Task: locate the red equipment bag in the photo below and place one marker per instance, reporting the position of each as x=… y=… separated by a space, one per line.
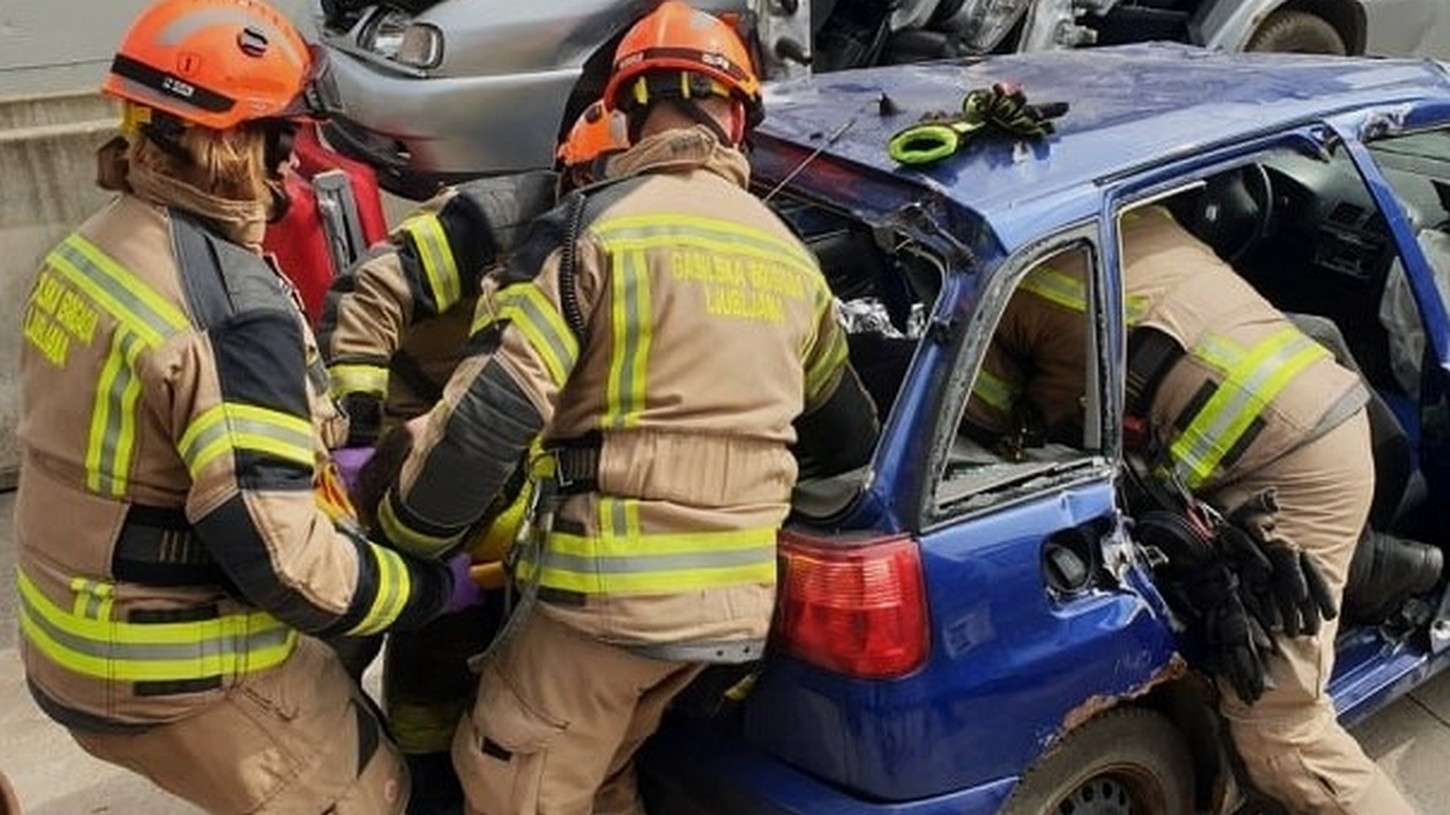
x=335 y=214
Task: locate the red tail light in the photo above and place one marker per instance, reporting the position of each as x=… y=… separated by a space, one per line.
x=855 y=608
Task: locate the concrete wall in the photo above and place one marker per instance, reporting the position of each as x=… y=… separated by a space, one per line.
x=53 y=54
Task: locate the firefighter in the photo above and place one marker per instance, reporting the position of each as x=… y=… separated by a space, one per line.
x=391 y=336
x=393 y=329
x=181 y=530
x=597 y=135
x=1241 y=401
x=616 y=331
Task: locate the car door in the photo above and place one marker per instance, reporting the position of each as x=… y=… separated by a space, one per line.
x=1404 y=156
x=1039 y=615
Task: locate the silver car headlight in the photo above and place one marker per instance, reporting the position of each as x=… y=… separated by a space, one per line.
x=395 y=36
x=983 y=23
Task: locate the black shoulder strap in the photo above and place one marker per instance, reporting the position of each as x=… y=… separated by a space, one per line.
x=577 y=212
x=1151 y=354
x=213 y=294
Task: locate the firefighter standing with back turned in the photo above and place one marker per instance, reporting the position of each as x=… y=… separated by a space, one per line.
x=1241 y=401
x=616 y=331
x=180 y=526
x=392 y=331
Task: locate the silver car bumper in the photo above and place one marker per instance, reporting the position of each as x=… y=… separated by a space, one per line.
x=452 y=126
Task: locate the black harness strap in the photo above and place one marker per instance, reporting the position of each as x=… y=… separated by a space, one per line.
x=1151 y=355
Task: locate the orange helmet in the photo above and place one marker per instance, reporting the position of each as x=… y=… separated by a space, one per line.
x=214 y=63
x=680 y=52
x=595 y=134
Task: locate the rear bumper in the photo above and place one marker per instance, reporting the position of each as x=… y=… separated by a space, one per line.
x=690 y=769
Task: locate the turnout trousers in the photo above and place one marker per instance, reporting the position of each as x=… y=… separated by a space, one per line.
x=300 y=740
x=558 y=719
x=1292 y=744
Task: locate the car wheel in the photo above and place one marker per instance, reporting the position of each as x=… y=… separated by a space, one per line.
x=1297 y=32
x=1128 y=761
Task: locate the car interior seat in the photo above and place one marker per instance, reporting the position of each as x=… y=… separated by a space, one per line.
x=1386 y=569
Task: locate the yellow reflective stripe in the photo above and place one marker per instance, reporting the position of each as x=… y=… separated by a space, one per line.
x=1056 y=287
x=632 y=334
x=232 y=426
x=436 y=257
x=145 y=319
x=94 y=598
x=1221 y=353
x=394 y=587
x=670 y=228
x=411 y=540
x=639 y=563
x=660 y=543
x=1248 y=387
x=827 y=365
x=112 y=432
x=350 y=378
x=619 y=517
x=1136 y=306
x=123 y=295
x=138 y=652
x=994 y=391
x=527 y=306
x=668 y=236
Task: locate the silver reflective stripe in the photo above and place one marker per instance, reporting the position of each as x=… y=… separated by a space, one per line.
x=132 y=306
x=214 y=648
x=546 y=327
x=239 y=425
x=630 y=324
x=116 y=410
x=1199 y=450
x=633 y=229
x=634 y=564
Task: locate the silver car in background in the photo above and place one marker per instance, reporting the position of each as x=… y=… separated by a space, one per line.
x=436 y=91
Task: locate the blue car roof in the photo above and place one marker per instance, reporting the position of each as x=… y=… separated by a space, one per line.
x=1130 y=106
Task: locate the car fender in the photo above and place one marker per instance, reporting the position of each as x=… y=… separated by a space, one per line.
x=1229 y=24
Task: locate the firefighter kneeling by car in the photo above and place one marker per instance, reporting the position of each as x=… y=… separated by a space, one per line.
x=1237 y=410
x=392 y=331
x=663 y=480
x=180 y=525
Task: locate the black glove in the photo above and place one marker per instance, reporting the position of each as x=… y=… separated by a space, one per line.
x=1238 y=647
x=1290 y=592
x=484 y=220
x=364 y=418
x=1202 y=588
x=1004 y=105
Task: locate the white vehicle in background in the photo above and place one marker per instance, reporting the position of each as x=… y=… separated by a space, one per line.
x=436 y=91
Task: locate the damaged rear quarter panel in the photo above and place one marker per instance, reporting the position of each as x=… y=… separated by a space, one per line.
x=1010 y=668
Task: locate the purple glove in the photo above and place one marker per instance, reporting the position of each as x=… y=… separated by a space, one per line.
x=349 y=461
x=465 y=593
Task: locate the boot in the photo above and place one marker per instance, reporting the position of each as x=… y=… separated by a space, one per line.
x=1386 y=571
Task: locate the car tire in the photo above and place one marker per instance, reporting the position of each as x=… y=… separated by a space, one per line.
x=1298 y=32
x=1129 y=760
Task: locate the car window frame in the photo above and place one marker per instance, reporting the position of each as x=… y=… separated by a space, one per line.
x=966 y=355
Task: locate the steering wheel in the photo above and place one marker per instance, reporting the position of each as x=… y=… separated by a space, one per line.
x=1233 y=212
x=1261 y=189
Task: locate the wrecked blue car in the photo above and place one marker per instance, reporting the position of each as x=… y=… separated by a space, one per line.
x=960 y=632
